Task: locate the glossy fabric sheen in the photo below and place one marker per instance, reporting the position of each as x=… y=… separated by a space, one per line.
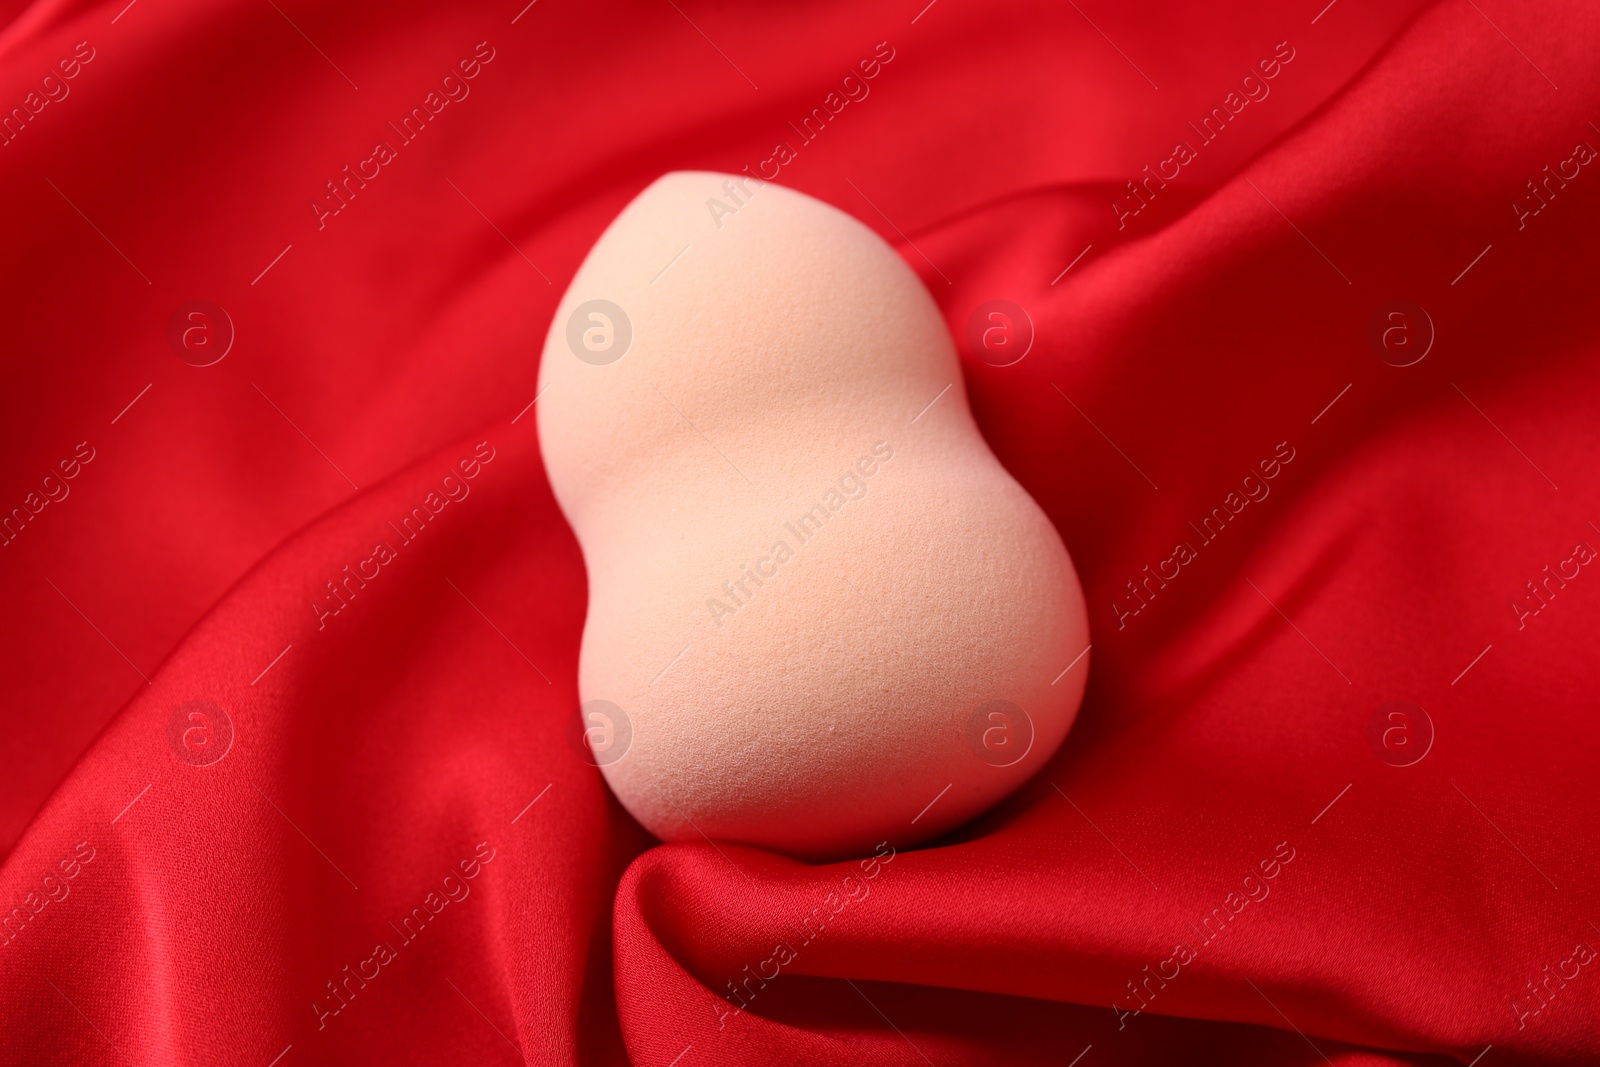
x=400 y=857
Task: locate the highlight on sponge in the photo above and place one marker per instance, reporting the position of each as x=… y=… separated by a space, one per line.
x=821 y=614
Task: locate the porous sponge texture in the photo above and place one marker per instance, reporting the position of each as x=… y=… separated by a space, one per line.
x=810 y=581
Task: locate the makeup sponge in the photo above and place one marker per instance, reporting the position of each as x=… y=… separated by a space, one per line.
x=821 y=614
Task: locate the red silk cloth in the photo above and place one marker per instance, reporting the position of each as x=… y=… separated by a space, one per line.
x=1226 y=226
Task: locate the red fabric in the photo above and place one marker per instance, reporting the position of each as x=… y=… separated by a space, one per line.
x=160 y=909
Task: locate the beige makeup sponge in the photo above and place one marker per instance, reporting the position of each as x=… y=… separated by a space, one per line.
x=821 y=614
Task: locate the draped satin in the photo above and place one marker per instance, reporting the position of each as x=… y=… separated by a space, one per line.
x=289 y=692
